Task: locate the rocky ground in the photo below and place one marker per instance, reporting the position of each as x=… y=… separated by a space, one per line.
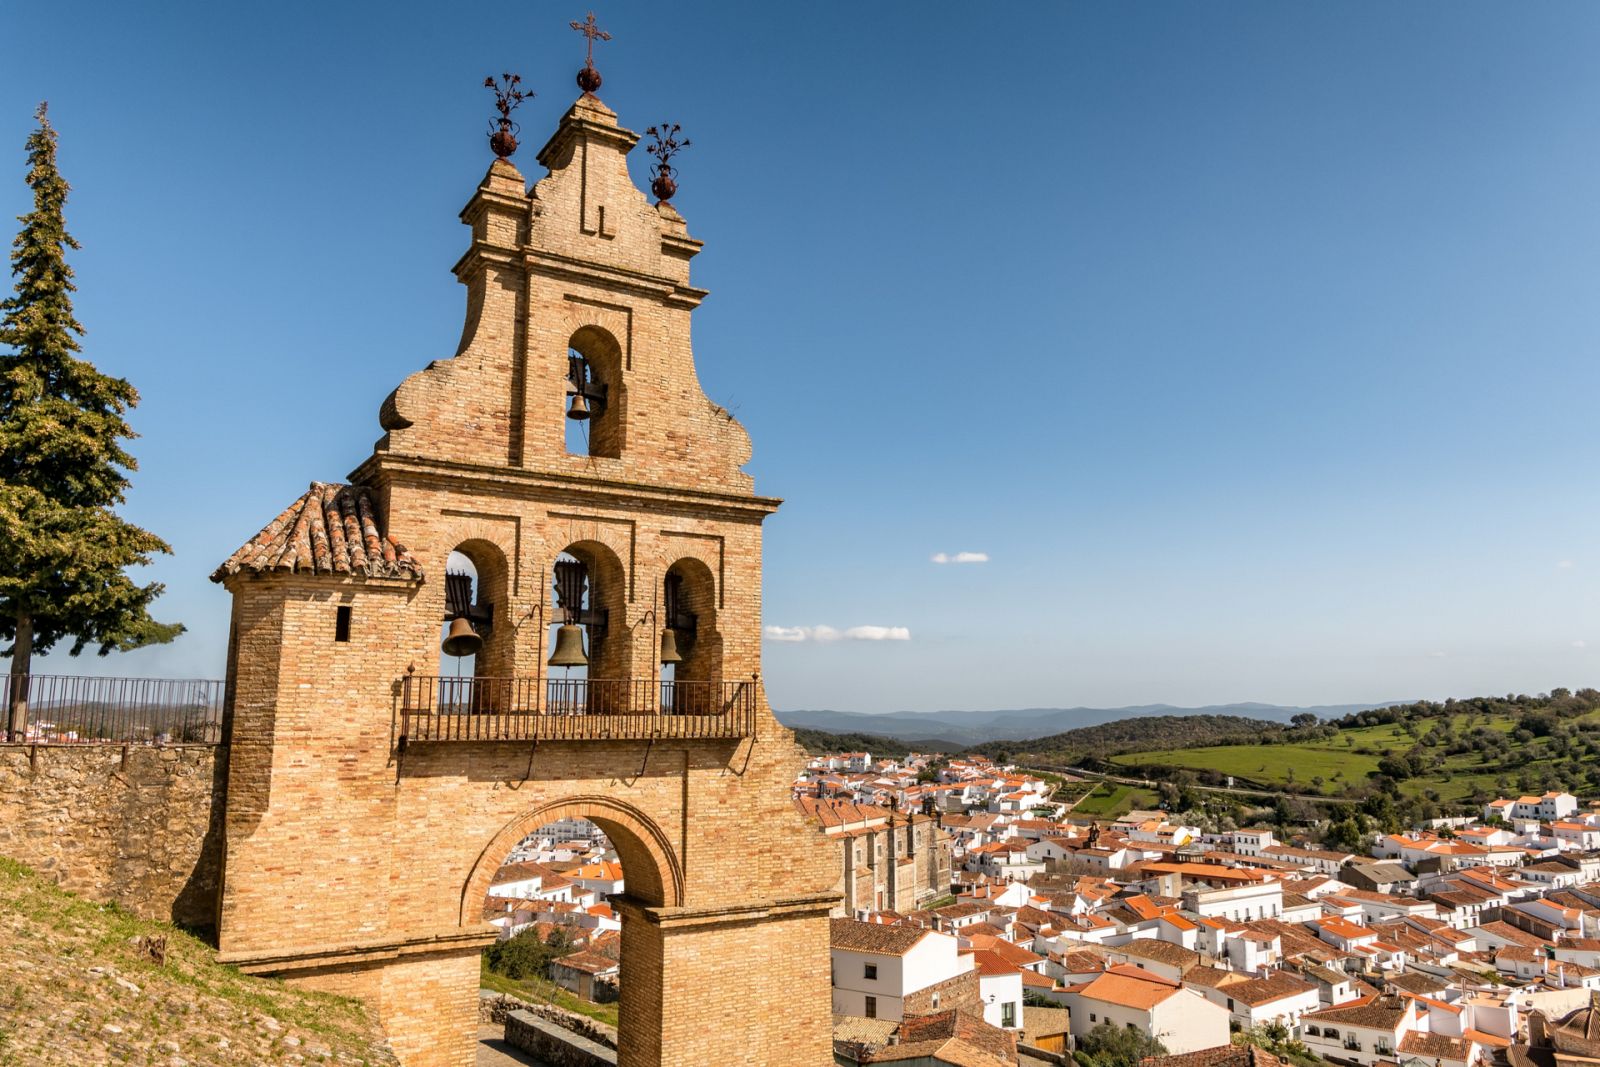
x=82 y=983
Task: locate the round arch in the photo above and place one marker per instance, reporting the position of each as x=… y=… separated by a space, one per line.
x=650 y=868
x=600 y=349
x=608 y=589
x=703 y=655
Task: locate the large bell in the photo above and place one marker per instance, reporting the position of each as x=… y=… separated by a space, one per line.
x=669 y=646
x=579 y=409
x=462 y=640
x=569 y=647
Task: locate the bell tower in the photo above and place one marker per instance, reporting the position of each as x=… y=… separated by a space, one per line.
x=603 y=660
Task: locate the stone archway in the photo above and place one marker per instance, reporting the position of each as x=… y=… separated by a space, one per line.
x=654 y=874
x=654 y=879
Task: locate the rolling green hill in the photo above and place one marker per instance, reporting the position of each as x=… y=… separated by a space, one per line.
x=1455 y=753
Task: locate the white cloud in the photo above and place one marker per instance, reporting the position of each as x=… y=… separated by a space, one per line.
x=961 y=557
x=829 y=634
x=1565 y=565
x=1580 y=644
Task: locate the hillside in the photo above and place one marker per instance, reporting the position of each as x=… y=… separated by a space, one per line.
x=1454 y=753
x=975 y=727
x=77 y=988
x=1128 y=735
x=819 y=742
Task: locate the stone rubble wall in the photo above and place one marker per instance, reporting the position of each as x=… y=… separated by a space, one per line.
x=493 y=1008
x=551 y=1044
x=139 y=825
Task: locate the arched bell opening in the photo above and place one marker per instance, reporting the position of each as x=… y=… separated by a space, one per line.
x=595 y=399
x=588 y=659
x=691 y=647
x=475 y=588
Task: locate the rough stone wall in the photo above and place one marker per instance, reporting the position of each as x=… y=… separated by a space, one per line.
x=140 y=825
x=551 y=1044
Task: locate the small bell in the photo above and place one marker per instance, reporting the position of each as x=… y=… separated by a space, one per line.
x=462 y=640
x=669 y=646
x=579 y=409
x=569 y=647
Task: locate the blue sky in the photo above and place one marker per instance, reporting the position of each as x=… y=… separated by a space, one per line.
x=1254 y=343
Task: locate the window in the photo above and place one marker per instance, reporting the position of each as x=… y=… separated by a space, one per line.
x=1312 y=1031
x=1008 y=1014
x=1331 y=1033
x=341 y=623
x=869 y=970
x=936 y=1000
x=872 y=1007
x=1092 y=1018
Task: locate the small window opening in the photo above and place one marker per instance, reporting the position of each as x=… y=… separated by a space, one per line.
x=341 y=623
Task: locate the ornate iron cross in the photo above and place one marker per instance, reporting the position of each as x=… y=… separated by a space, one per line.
x=593 y=32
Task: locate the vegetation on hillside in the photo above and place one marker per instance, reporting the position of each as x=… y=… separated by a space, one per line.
x=89 y=983
x=821 y=742
x=1073 y=747
x=1393 y=767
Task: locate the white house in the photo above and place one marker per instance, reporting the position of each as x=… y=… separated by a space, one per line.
x=1181 y=1019
x=1277 y=997
x=1362 y=1031
x=1000 y=989
x=875 y=966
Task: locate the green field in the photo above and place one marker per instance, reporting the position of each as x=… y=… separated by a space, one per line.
x=1110 y=799
x=1331 y=766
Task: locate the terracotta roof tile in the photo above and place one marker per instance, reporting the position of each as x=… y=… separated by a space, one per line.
x=332 y=529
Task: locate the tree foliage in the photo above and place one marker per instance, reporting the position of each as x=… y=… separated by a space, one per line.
x=63 y=464
x=1116 y=1046
x=527 y=955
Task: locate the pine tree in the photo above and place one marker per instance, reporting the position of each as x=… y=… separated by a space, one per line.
x=63 y=466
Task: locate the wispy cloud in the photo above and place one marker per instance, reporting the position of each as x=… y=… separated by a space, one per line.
x=960 y=557
x=1565 y=565
x=828 y=634
x=1580 y=644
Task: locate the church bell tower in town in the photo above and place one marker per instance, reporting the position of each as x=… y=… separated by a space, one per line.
x=397 y=723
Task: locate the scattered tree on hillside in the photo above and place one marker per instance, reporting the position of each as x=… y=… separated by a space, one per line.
x=63 y=467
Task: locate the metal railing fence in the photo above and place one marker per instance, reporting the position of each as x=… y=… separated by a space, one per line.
x=62 y=709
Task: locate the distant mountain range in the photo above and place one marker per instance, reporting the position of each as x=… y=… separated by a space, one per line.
x=973 y=727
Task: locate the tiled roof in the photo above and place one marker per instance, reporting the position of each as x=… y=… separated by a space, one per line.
x=1273 y=987
x=854 y=936
x=1372 y=1012
x=1221 y=1056
x=332 y=529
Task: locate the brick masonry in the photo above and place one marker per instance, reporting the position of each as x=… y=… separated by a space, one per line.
x=357 y=864
x=140 y=826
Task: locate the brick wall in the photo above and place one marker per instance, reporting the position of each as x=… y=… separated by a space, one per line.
x=140 y=826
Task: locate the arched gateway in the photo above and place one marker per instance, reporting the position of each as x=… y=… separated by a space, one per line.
x=370 y=800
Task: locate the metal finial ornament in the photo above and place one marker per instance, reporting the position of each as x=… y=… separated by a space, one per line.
x=507 y=96
x=588 y=77
x=664 y=144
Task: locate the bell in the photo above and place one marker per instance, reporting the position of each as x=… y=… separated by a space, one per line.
x=669 y=646
x=569 y=647
x=462 y=640
x=579 y=410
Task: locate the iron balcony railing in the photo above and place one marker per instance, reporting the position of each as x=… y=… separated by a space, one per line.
x=482 y=708
x=58 y=709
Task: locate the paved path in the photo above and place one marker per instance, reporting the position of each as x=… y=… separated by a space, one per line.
x=494 y=1052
